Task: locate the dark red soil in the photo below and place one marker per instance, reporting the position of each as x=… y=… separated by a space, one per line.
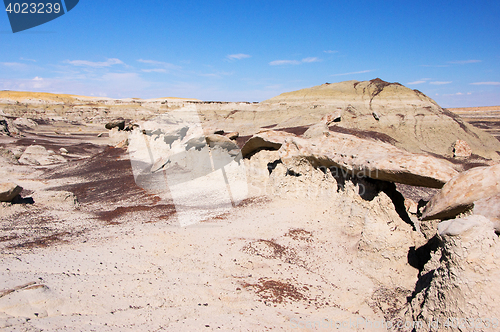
x=57 y=142
x=241 y=140
x=294 y=130
x=160 y=211
x=44 y=241
x=366 y=134
x=106 y=186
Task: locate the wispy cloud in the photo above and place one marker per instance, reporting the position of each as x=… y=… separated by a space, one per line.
x=440 y=82
x=85 y=63
x=24 y=59
x=284 y=62
x=485 y=83
x=330 y=51
x=238 y=56
x=415 y=82
x=294 y=62
x=159 y=63
x=218 y=74
x=354 y=73
x=155 y=70
x=311 y=59
x=435 y=66
x=161 y=66
x=14 y=65
x=463 y=62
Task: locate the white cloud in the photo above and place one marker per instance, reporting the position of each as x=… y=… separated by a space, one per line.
x=24 y=59
x=14 y=65
x=119 y=76
x=463 y=62
x=217 y=74
x=485 y=83
x=440 y=82
x=311 y=59
x=330 y=51
x=454 y=94
x=165 y=65
x=435 y=66
x=162 y=67
x=38 y=83
x=416 y=82
x=354 y=73
x=85 y=63
x=238 y=56
x=156 y=70
x=284 y=62
x=294 y=62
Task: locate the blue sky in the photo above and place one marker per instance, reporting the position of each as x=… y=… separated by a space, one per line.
x=253 y=50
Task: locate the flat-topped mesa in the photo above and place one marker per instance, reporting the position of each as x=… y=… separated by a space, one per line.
x=416 y=122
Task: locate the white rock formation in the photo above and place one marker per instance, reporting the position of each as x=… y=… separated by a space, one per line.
x=8 y=191
x=462 y=191
x=458 y=290
x=38 y=155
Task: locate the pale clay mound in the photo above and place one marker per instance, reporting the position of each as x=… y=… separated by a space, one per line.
x=314 y=241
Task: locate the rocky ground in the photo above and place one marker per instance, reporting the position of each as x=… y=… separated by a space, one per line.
x=189 y=215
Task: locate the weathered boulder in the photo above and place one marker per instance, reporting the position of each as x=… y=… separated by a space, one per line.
x=120 y=124
x=56 y=199
x=232 y=135
x=317 y=130
x=458 y=286
x=38 y=155
x=368 y=158
x=7 y=126
x=455 y=227
x=4 y=127
x=330 y=118
x=24 y=122
x=462 y=191
x=8 y=156
x=461 y=149
x=489 y=208
x=117 y=136
x=221 y=141
x=266 y=140
x=9 y=191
